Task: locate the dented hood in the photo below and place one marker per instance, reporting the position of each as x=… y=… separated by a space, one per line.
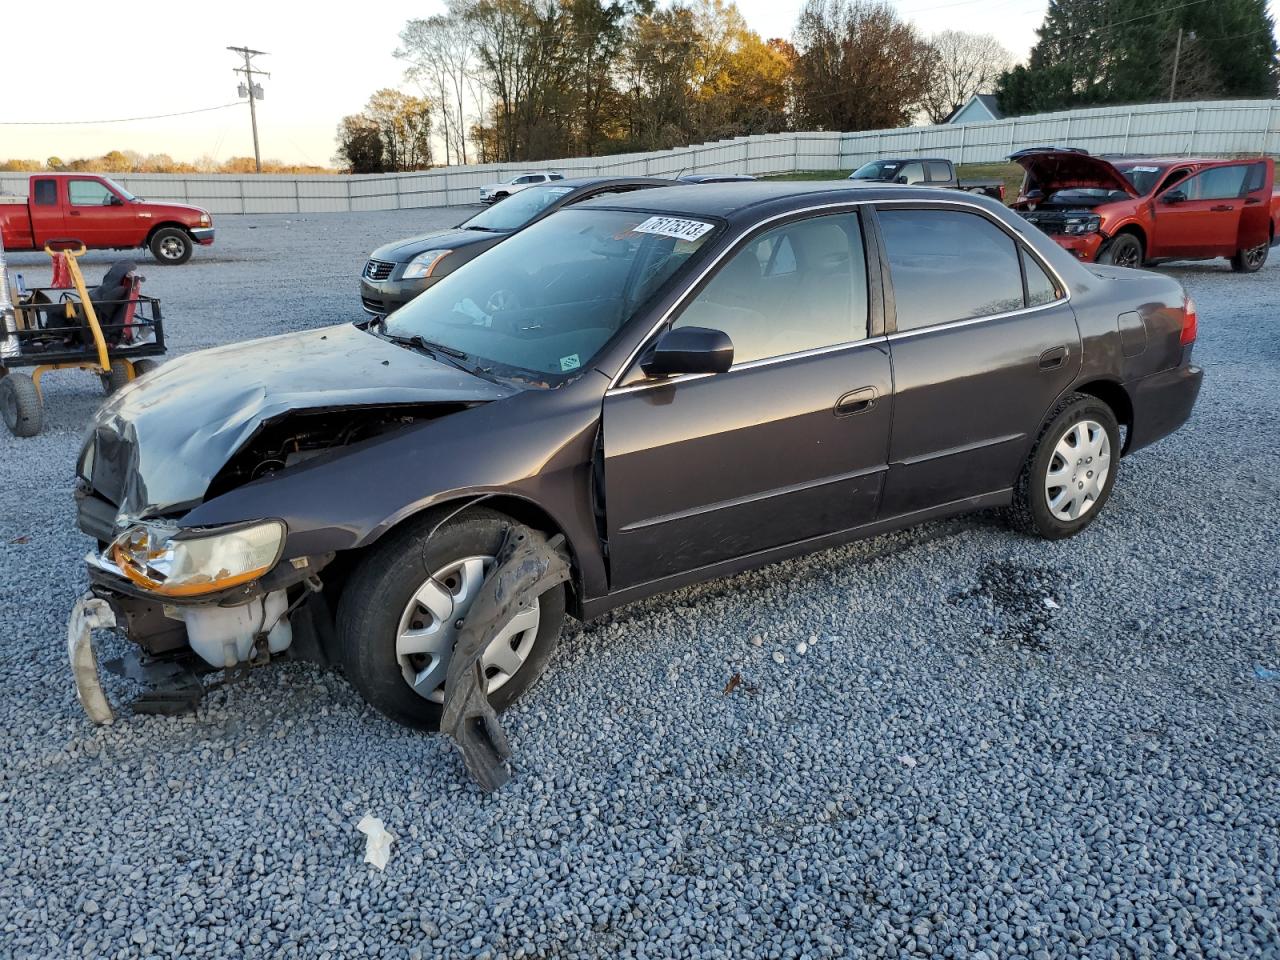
x=155 y=446
x=1054 y=170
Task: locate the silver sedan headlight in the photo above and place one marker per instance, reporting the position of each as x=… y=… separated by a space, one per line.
x=424 y=264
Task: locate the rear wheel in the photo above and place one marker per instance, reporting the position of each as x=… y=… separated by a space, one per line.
x=1125 y=250
x=1069 y=475
x=1251 y=260
x=171 y=246
x=118 y=376
x=20 y=406
x=399 y=614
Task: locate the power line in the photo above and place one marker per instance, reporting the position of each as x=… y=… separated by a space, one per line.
x=73 y=123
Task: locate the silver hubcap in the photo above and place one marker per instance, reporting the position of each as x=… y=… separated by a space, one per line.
x=429 y=628
x=171 y=248
x=1078 y=470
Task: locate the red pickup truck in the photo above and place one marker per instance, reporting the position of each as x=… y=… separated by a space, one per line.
x=102 y=215
x=1134 y=211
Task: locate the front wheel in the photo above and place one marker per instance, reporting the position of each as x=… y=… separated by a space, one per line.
x=1251 y=260
x=1069 y=475
x=399 y=616
x=1125 y=250
x=171 y=246
x=117 y=377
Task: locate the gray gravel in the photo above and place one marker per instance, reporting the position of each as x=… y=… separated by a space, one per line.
x=950 y=768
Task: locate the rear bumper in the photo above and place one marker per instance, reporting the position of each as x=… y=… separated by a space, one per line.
x=202 y=235
x=1081 y=246
x=1162 y=403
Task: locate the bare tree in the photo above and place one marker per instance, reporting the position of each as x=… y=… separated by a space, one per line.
x=440 y=51
x=964 y=64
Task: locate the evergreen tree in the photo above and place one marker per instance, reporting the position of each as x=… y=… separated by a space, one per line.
x=1122 y=51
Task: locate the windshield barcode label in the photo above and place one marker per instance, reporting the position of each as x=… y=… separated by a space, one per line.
x=674 y=227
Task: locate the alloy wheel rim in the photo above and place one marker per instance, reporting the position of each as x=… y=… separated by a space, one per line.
x=1127 y=256
x=1078 y=470
x=1255 y=256
x=428 y=630
x=171 y=248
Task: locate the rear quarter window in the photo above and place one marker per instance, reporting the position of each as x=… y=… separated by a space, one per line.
x=939 y=170
x=949 y=265
x=46 y=193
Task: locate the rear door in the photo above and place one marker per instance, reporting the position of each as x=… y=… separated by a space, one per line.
x=46 y=210
x=983 y=342
x=1201 y=215
x=787 y=445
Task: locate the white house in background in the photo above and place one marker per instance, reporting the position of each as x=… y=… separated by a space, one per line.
x=981 y=108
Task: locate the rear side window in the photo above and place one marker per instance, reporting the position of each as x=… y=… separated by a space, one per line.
x=1041 y=288
x=938 y=170
x=46 y=193
x=801 y=286
x=948 y=265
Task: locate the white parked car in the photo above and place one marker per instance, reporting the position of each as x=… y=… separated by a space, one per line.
x=493 y=192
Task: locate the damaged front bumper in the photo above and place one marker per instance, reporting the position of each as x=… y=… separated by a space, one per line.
x=245 y=625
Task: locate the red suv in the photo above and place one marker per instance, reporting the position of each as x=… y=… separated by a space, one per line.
x=1134 y=211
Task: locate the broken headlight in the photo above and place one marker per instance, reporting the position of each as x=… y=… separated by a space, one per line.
x=175 y=562
x=1084 y=223
x=424 y=264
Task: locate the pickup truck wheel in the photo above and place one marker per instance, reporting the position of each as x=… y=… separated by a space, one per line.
x=1071 y=470
x=171 y=246
x=397 y=619
x=116 y=378
x=1125 y=250
x=1251 y=260
x=20 y=405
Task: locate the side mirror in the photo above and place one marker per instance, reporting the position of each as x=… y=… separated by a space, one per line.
x=901 y=179
x=115 y=201
x=689 y=350
x=1175 y=196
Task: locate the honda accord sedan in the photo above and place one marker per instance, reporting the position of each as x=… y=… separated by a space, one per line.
x=666 y=386
x=398 y=271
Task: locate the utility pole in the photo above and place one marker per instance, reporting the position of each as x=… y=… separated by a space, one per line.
x=253 y=91
x=1177 y=53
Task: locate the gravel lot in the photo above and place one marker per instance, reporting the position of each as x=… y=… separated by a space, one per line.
x=924 y=758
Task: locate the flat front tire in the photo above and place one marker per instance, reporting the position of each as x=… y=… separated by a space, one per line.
x=1124 y=250
x=399 y=613
x=1071 y=470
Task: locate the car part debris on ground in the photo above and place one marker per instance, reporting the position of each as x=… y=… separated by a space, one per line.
x=527 y=565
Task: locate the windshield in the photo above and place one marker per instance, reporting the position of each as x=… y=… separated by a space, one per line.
x=517 y=210
x=876 y=170
x=118 y=189
x=542 y=304
x=1142 y=177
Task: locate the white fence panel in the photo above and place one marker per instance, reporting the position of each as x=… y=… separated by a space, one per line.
x=1216 y=128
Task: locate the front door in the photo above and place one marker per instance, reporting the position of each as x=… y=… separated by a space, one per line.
x=1200 y=216
x=979 y=355
x=789 y=444
x=91 y=216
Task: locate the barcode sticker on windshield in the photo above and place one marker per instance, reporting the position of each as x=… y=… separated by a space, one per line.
x=674 y=227
x=571 y=362
x=1144 y=169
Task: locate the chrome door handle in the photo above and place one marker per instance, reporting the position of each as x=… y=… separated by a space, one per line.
x=855 y=401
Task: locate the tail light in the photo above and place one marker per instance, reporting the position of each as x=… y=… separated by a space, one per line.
x=1190 y=322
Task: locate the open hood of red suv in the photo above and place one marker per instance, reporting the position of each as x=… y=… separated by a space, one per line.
x=1052 y=170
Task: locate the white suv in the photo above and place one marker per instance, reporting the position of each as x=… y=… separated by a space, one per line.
x=493 y=192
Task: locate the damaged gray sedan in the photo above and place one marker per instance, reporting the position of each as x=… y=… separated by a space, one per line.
x=659 y=388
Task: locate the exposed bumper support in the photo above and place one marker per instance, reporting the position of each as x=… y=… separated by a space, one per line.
x=89 y=613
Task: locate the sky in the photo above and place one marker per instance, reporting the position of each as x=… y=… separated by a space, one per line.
x=324 y=65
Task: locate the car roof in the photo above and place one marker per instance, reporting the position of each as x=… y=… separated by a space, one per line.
x=578 y=182
x=727 y=199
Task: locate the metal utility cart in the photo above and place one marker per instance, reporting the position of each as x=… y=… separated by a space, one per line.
x=111 y=330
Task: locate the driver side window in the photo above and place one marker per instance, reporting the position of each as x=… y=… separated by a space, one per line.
x=801 y=286
x=88 y=193
x=912 y=173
